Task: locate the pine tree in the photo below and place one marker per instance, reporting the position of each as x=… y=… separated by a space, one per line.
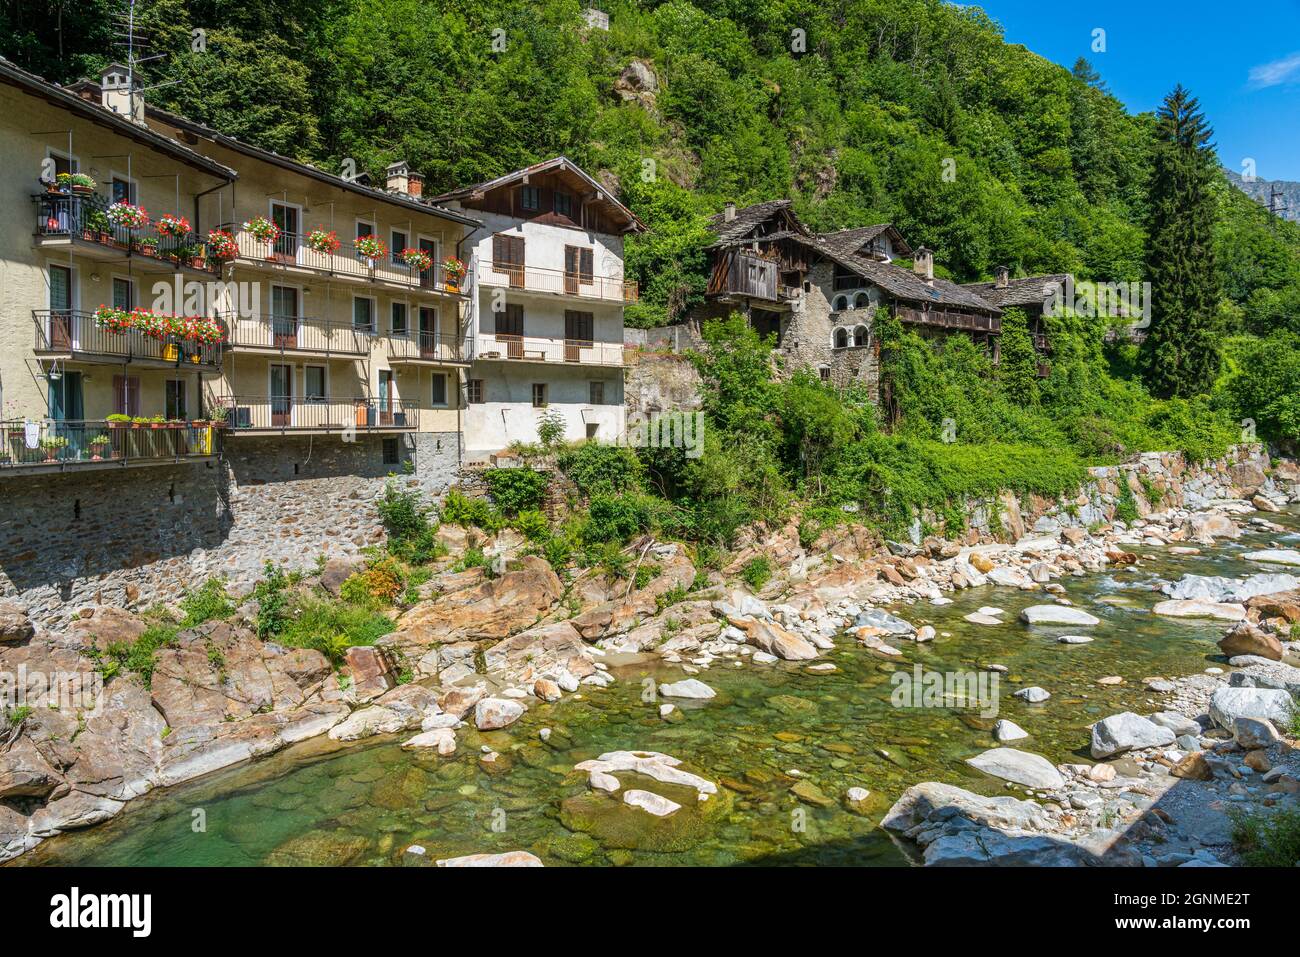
x=1180 y=356
x=1018 y=363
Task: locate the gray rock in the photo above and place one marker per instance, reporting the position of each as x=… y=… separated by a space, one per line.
x=1271 y=704
x=1019 y=767
x=1253 y=733
x=1033 y=694
x=1175 y=722
x=1006 y=730
x=890 y=624
x=1057 y=615
x=1126 y=731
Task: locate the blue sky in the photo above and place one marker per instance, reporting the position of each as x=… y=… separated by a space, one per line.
x=1242 y=60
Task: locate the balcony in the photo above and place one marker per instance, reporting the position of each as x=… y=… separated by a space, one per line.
x=428 y=348
x=60 y=445
x=289 y=252
x=578 y=352
x=278 y=414
x=298 y=335
x=557 y=282
x=739 y=273
x=81 y=220
x=972 y=321
x=75 y=337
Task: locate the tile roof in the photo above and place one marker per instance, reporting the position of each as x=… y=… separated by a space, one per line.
x=1031 y=290
x=736 y=229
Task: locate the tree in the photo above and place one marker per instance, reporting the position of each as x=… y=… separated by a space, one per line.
x=1018 y=365
x=1180 y=356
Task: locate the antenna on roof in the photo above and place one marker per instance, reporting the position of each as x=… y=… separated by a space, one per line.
x=128 y=36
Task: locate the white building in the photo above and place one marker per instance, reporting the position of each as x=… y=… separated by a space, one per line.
x=546 y=306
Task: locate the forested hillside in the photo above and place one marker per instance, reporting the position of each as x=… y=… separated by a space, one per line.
x=914 y=112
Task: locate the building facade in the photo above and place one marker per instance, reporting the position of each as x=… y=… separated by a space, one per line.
x=546 y=313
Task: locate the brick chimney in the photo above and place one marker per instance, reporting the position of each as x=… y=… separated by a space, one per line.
x=119 y=94
x=923 y=263
x=728 y=212
x=402 y=179
x=1004 y=277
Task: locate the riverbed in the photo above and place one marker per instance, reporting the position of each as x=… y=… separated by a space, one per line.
x=771 y=728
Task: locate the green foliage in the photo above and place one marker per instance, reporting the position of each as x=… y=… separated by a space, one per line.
x=1018 y=365
x=459 y=509
x=405 y=518
x=1125 y=504
x=516 y=490
x=597 y=469
x=331 y=627
x=1268 y=839
x=272 y=602
x=1264 y=385
x=533 y=525
x=205 y=603
x=756 y=572
x=550 y=428
x=139 y=656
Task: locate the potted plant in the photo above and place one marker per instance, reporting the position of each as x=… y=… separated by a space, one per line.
x=118 y=421
x=111 y=318
x=139 y=422
x=82 y=184
x=323 y=240
x=371 y=247
x=97 y=227
x=158 y=422
x=52 y=445
x=262 y=230
x=177 y=227
x=128 y=216
x=221 y=245
x=417 y=259
x=217 y=415
x=453 y=271
x=97 y=445
x=148 y=245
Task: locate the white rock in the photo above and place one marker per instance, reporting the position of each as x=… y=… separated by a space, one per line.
x=1195 y=608
x=1057 y=615
x=687 y=688
x=1019 y=767
x=975 y=618
x=1267 y=704
x=656 y=804
x=493 y=713
x=1074 y=639
x=857 y=795
x=763 y=658
x=1276 y=556
x=1006 y=730
x=1033 y=694
x=441 y=739
x=508 y=859
x=666 y=709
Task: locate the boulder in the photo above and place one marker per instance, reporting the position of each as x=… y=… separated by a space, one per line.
x=493 y=713
x=1019 y=767
x=1006 y=730
x=508 y=859
x=443 y=740
x=1033 y=694
x=1246 y=639
x=105 y=625
x=1275 y=556
x=534 y=653
x=1219 y=589
x=688 y=688
x=775 y=640
x=373 y=671
x=1285 y=604
x=1270 y=704
x=886 y=623
x=650 y=802
x=1253 y=733
x=1179 y=724
x=14 y=623
x=338 y=570
x=1191 y=608
x=1126 y=732
x=1207 y=526
x=1057 y=615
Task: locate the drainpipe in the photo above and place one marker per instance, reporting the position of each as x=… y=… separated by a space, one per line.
x=198 y=196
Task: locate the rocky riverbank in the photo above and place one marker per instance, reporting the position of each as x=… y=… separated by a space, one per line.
x=481 y=647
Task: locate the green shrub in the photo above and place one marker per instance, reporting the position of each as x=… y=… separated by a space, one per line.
x=516 y=490
x=533 y=525
x=597 y=469
x=272 y=602
x=1268 y=839
x=756 y=572
x=1125 y=503
x=405 y=518
x=459 y=509
x=205 y=603
x=616 y=518
x=331 y=627
x=139 y=656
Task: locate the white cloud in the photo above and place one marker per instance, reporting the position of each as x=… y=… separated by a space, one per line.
x=1285 y=70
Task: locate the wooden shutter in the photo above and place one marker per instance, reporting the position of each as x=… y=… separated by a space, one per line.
x=126 y=395
x=508 y=257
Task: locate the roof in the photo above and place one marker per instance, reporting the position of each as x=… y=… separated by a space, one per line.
x=306 y=169
x=851 y=241
x=905 y=284
x=65 y=98
x=738 y=228
x=561 y=163
x=1031 y=290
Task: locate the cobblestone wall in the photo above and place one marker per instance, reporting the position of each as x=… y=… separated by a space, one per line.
x=132 y=537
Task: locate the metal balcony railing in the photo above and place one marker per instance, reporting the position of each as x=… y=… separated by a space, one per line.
x=291 y=249
x=298 y=334
x=64 y=443
x=280 y=413
x=426 y=347
x=541 y=349
x=84 y=217
x=558 y=281
x=69 y=332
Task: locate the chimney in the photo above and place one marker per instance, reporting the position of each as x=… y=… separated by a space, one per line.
x=119 y=94
x=728 y=212
x=402 y=179
x=1004 y=277
x=923 y=263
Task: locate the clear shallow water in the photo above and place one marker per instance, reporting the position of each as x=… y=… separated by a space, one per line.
x=323 y=803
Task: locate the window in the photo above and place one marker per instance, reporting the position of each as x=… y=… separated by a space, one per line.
x=597 y=393
x=365 y=229
x=860 y=336
x=439 y=396
x=126 y=395
x=841 y=338
x=287 y=218
x=475 y=391
x=123 y=190
x=579 y=325
x=390 y=452
x=175 y=399
x=399 y=319
x=861 y=301
x=313 y=383
x=396 y=246
x=530 y=197
x=825 y=373
x=578 y=264
x=593 y=430
x=123 y=293
x=363 y=314
x=564 y=204
x=840 y=304
x=510 y=322
x=539 y=395
x=508 y=257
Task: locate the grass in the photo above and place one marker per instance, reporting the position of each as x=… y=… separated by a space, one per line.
x=756 y=572
x=1268 y=840
x=205 y=603
x=1125 y=504
x=331 y=627
x=140 y=657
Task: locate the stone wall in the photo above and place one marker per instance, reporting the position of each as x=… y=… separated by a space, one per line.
x=131 y=537
x=655 y=382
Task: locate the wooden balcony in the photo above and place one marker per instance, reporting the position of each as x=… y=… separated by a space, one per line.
x=426 y=348
x=281 y=414
x=739 y=272
x=75 y=337
x=578 y=352
x=289 y=253
x=62 y=445
x=557 y=282
x=298 y=335
x=80 y=220
x=947 y=319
